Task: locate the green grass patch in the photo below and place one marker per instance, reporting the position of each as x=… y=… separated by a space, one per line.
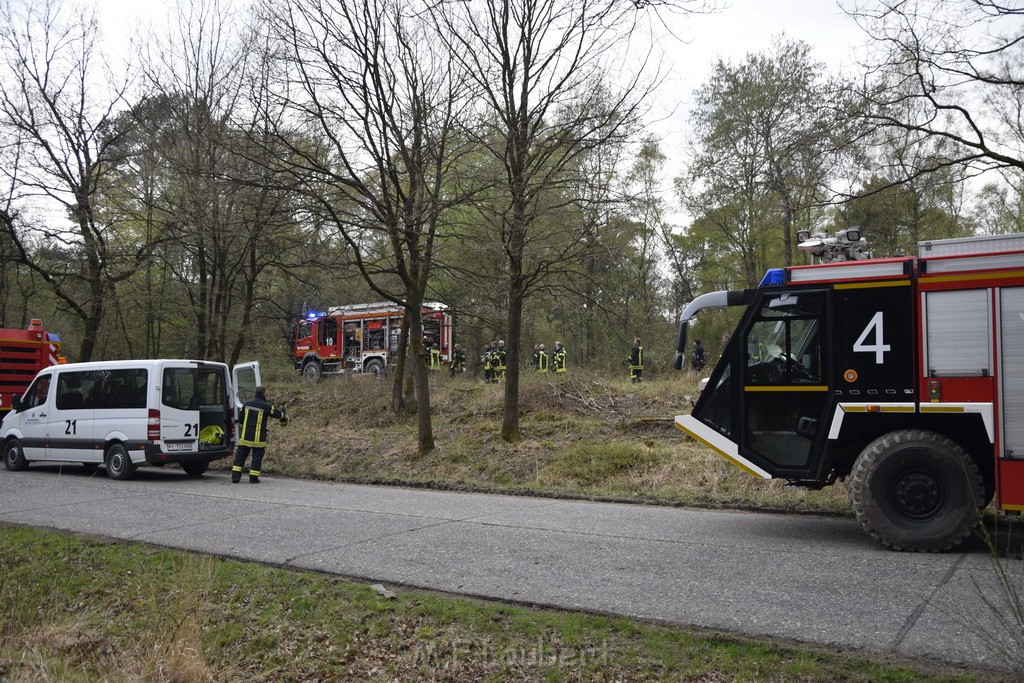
x=601 y=463
x=79 y=609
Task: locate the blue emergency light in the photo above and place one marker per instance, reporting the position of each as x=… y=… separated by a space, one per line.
x=774 y=276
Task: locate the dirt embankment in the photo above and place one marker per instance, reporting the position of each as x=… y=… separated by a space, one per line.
x=582 y=436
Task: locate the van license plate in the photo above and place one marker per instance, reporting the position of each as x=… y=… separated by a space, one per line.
x=179 y=445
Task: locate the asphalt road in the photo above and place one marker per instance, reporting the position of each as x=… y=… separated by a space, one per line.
x=813 y=579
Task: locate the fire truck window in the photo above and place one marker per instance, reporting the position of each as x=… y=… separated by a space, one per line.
x=783 y=347
x=328 y=331
x=303 y=330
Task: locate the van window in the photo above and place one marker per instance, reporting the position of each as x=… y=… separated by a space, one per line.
x=193 y=388
x=102 y=389
x=74 y=387
x=36 y=394
x=123 y=389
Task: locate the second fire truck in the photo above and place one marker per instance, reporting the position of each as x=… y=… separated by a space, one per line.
x=23 y=353
x=902 y=376
x=363 y=338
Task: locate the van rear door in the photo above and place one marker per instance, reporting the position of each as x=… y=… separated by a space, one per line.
x=245 y=378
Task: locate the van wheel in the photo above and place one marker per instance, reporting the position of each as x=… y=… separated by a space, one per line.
x=14 y=457
x=312 y=371
x=195 y=469
x=916 y=490
x=119 y=463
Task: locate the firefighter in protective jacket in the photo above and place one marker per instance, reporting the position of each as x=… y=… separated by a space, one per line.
x=558 y=359
x=636 y=362
x=253 y=434
x=541 y=363
x=458 y=364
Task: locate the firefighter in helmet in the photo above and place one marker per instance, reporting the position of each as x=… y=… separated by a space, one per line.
x=487 y=359
x=253 y=418
x=458 y=364
x=558 y=359
x=636 y=362
x=433 y=356
x=500 y=358
x=542 y=359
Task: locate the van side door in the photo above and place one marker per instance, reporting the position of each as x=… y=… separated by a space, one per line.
x=70 y=424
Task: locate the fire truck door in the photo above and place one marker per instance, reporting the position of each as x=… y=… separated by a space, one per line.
x=785 y=382
x=328 y=338
x=1011 y=391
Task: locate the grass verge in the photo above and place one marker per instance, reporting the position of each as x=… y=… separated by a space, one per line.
x=80 y=609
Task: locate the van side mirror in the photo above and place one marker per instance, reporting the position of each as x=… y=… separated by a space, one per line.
x=17 y=404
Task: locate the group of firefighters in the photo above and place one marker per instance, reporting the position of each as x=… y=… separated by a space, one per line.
x=494 y=360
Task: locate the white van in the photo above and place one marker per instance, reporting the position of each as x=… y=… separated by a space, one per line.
x=123 y=414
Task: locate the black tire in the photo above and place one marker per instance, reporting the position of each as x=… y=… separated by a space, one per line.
x=916 y=490
x=195 y=469
x=374 y=367
x=14 y=456
x=312 y=371
x=119 y=463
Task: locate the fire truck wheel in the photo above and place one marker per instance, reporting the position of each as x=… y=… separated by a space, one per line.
x=119 y=463
x=374 y=367
x=195 y=469
x=916 y=490
x=312 y=371
x=14 y=457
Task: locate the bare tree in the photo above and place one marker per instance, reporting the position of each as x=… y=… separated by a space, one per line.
x=950 y=70
x=61 y=150
x=370 y=111
x=542 y=70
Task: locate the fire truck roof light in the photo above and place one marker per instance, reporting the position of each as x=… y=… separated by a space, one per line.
x=774 y=276
x=313 y=315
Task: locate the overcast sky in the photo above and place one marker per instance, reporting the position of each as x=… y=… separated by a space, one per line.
x=742 y=27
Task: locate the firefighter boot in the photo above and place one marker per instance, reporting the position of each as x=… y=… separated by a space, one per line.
x=236 y=474
x=254 y=477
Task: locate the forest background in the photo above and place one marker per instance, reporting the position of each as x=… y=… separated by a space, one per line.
x=252 y=164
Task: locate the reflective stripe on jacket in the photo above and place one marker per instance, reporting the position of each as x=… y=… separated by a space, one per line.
x=252 y=430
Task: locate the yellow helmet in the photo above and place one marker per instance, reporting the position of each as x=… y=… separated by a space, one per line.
x=212 y=434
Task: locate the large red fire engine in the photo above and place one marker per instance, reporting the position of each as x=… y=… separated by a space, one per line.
x=903 y=376
x=363 y=338
x=23 y=353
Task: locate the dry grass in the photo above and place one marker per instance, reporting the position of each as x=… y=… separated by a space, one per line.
x=582 y=435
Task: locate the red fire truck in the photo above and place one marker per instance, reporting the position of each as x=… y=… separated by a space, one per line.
x=902 y=376
x=363 y=338
x=23 y=353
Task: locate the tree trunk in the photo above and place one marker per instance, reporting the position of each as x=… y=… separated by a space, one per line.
x=418 y=357
x=510 y=417
x=398 y=404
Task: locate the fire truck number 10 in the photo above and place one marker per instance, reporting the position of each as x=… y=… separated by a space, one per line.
x=879 y=347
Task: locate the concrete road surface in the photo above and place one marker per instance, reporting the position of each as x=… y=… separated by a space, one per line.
x=813 y=579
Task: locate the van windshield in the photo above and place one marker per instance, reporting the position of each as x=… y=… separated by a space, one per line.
x=193 y=388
